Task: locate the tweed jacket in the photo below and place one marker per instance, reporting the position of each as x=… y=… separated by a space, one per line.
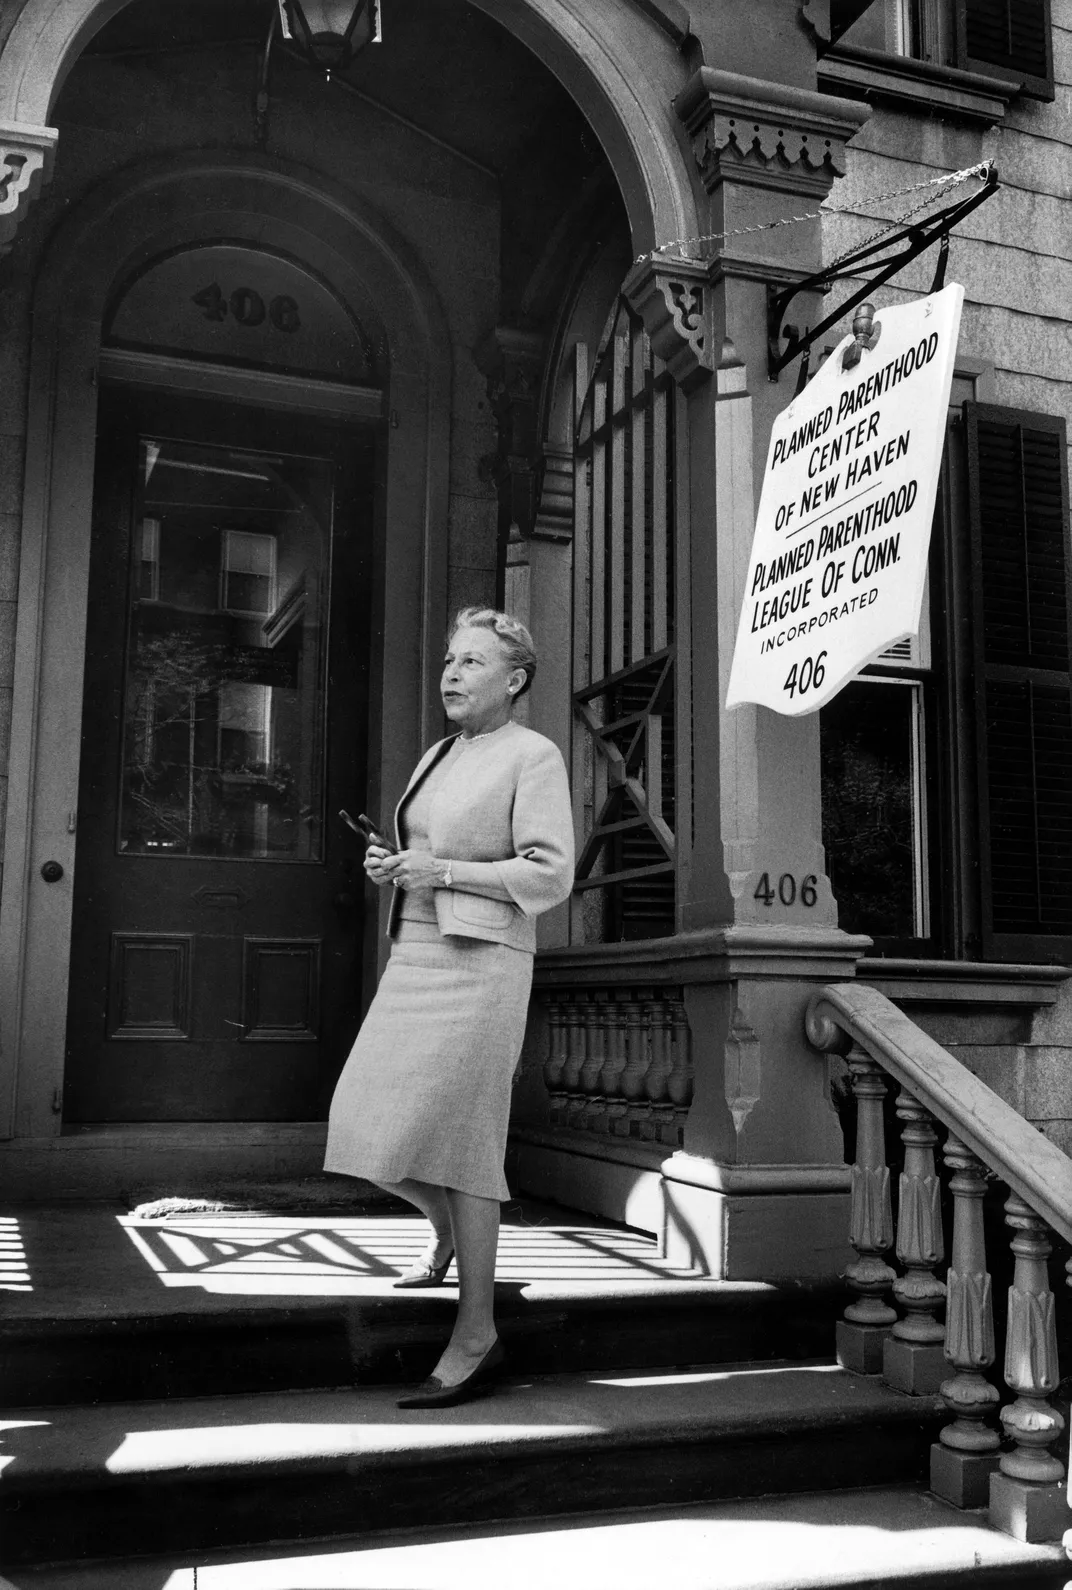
x=505 y=819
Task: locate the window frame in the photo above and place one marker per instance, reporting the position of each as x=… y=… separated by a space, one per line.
x=1033 y=85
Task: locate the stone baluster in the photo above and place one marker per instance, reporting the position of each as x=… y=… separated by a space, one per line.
x=1027 y=1497
x=615 y=1117
x=913 y=1356
x=862 y=1332
x=965 y=1454
x=571 y=1075
x=555 y=1064
x=657 y=1077
x=595 y=1057
x=637 y=1058
x=679 y=1085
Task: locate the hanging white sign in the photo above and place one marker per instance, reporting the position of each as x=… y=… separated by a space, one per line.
x=839 y=557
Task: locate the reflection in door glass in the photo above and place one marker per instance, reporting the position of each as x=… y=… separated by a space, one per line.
x=223 y=745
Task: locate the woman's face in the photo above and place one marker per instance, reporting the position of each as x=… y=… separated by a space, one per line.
x=476 y=680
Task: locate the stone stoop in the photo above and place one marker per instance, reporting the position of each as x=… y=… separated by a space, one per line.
x=215 y=1385
x=894 y=1537
x=396 y=1340
x=216 y=1472
x=119 y=1309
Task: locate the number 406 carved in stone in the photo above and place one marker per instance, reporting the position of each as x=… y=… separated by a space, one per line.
x=787 y=891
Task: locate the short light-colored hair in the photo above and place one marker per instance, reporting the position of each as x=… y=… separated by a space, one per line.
x=516 y=640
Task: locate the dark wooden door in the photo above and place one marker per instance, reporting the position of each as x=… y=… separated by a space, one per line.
x=217 y=900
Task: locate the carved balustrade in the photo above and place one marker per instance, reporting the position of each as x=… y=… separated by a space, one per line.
x=618 y=1063
x=998 y=1447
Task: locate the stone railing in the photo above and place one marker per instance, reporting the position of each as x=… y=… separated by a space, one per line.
x=618 y=1062
x=892 y=1326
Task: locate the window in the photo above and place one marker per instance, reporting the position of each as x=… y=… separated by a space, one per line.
x=248 y=573
x=224 y=695
x=875 y=818
x=1010 y=39
x=947 y=783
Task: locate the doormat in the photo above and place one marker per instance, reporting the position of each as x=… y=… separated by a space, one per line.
x=320 y=1193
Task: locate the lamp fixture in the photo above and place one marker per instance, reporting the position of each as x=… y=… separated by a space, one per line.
x=330 y=33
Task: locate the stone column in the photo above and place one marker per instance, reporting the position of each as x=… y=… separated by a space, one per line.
x=765 y=152
x=753 y=867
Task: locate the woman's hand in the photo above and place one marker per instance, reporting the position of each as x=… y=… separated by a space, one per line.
x=376 y=868
x=409 y=869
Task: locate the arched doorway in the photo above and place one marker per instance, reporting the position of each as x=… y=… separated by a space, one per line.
x=147 y=214
x=111 y=271
x=217 y=912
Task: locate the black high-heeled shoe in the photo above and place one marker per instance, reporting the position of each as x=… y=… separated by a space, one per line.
x=432 y=1393
x=424 y=1273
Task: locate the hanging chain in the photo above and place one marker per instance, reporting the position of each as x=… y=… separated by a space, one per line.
x=982 y=170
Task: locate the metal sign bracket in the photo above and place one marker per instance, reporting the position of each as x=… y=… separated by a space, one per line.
x=915 y=239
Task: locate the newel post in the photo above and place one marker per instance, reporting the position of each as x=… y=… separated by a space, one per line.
x=965 y=1454
x=1027 y=1495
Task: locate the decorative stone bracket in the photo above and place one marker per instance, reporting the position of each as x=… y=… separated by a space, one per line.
x=769 y=134
x=26 y=156
x=672 y=297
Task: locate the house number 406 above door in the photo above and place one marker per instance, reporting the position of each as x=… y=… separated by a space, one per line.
x=248 y=307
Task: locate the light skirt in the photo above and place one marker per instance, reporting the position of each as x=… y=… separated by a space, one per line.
x=426 y=1090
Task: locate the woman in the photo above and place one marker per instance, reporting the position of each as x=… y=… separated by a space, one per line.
x=485 y=830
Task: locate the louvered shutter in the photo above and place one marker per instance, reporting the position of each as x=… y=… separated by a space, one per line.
x=1022 y=618
x=1008 y=38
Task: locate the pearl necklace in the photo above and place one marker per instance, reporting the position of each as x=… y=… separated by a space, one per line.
x=467 y=739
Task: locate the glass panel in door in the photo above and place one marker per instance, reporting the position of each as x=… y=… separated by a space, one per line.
x=224 y=696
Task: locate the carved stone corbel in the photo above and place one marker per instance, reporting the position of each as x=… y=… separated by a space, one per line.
x=554 y=515
x=26 y=156
x=672 y=297
x=744 y=129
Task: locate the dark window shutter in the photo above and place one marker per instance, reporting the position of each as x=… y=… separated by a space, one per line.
x=1022 y=617
x=1008 y=38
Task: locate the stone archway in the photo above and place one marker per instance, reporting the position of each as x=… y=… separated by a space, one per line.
x=622 y=68
x=139 y=216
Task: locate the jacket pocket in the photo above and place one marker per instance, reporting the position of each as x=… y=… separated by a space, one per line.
x=479 y=911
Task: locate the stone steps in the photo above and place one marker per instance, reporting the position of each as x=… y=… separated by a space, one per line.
x=853 y=1540
x=395 y=1339
x=202 y=1474
x=118 y=1309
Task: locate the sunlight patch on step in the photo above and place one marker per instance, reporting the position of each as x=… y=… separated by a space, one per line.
x=7 y=1427
x=707 y=1377
x=269 y=1255
x=14 y=1267
x=788 y=1544
x=235 y=1445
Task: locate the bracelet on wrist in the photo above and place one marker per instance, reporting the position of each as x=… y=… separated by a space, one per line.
x=448 y=878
